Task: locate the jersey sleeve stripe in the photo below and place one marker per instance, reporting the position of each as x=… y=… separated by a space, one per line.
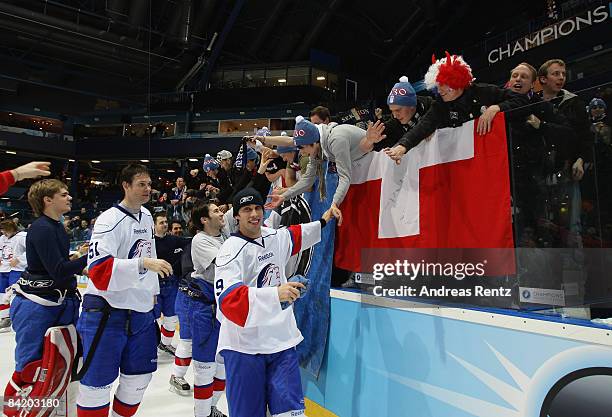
x=296 y=238
x=100 y=272
x=234 y=303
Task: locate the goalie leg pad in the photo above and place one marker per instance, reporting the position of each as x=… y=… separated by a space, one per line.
x=48 y=377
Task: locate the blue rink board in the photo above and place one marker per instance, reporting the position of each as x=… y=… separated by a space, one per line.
x=384 y=361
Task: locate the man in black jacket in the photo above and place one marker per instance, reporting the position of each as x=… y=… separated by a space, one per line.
x=569 y=125
x=406 y=109
x=460 y=100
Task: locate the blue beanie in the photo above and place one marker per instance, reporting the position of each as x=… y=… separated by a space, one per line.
x=251 y=154
x=597 y=102
x=210 y=163
x=402 y=94
x=305 y=132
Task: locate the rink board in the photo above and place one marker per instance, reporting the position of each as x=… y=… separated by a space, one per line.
x=395 y=358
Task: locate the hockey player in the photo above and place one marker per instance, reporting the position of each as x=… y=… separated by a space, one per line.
x=258 y=337
x=14 y=249
x=209 y=376
x=6 y=254
x=169 y=248
x=117 y=324
x=46 y=291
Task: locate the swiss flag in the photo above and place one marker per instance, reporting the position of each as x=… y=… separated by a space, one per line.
x=451 y=191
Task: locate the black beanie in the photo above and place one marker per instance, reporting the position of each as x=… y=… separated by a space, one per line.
x=246 y=197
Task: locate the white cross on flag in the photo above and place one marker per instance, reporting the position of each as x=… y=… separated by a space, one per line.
x=451 y=191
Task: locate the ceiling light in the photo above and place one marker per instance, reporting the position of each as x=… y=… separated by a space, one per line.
x=71 y=160
x=144 y=160
x=4 y=198
x=11 y=152
x=95 y=161
x=68 y=179
x=193 y=160
x=320 y=78
x=282 y=80
x=170 y=170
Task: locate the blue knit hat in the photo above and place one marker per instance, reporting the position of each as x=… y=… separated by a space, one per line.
x=210 y=163
x=402 y=94
x=597 y=102
x=251 y=154
x=305 y=132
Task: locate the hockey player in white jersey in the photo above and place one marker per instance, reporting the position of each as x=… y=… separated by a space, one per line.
x=209 y=373
x=117 y=324
x=258 y=337
x=14 y=255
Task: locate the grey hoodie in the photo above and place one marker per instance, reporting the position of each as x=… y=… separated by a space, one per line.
x=340 y=144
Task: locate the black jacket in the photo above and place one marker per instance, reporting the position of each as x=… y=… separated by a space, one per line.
x=566 y=124
x=395 y=130
x=468 y=106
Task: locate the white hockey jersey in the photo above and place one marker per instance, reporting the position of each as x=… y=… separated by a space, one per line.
x=6 y=253
x=247 y=275
x=18 y=247
x=204 y=249
x=118 y=240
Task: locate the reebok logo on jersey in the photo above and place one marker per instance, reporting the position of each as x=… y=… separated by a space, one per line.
x=140 y=231
x=264 y=257
x=178 y=250
x=246 y=199
x=41 y=283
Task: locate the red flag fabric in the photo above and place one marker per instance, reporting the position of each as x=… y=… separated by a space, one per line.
x=451 y=191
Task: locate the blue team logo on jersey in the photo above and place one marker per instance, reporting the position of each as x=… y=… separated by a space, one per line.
x=7 y=252
x=269 y=276
x=141 y=249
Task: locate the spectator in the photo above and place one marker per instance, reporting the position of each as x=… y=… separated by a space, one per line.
x=570 y=126
x=176 y=228
x=528 y=150
x=600 y=127
x=340 y=144
x=177 y=197
x=31 y=170
x=83 y=214
x=406 y=109
x=219 y=185
x=83 y=232
x=460 y=100
x=246 y=174
x=320 y=115
x=67 y=227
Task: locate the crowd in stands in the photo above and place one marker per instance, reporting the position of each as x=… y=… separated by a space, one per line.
x=557 y=139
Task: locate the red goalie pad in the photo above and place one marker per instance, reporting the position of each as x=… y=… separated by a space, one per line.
x=45 y=381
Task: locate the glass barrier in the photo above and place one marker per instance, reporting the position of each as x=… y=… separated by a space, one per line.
x=560 y=171
x=561 y=167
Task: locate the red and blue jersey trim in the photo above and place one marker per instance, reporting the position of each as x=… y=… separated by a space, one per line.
x=296 y=238
x=234 y=303
x=101 y=271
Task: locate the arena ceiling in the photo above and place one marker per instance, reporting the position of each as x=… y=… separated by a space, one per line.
x=123 y=48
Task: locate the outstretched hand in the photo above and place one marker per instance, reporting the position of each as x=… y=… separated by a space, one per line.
x=396 y=153
x=374 y=134
x=275 y=201
x=32 y=170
